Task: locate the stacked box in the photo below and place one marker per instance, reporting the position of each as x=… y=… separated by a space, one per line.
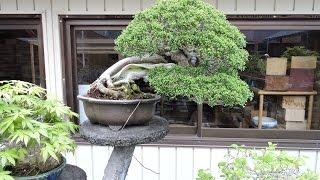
x=294 y=112
x=276 y=79
x=277 y=83
x=302 y=75
x=292 y=125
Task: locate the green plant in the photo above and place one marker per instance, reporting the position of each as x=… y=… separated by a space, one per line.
x=298 y=51
x=265 y=164
x=256 y=64
x=206 y=49
x=34 y=129
x=204 y=175
x=309 y=175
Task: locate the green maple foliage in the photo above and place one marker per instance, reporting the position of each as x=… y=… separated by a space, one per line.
x=29 y=119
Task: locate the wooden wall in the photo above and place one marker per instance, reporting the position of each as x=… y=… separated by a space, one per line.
x=172 y=163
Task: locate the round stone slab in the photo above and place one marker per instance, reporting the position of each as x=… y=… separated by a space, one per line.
x=131 y=135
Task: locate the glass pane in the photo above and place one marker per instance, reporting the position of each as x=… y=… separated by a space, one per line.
x=94 y=54
x=260 y=45
x=179 y=112
x=19 y=55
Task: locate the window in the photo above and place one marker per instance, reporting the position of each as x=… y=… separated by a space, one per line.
x=21 y=54
x=269 y=38
x=89 y=51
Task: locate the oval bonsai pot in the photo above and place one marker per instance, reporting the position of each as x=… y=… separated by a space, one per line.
x=49 y=175
x=116 y=112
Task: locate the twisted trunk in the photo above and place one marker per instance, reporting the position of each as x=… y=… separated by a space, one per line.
x=116 y=82
x=105 y=84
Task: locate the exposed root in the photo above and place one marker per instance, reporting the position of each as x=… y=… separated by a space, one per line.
x=118 y=81
x=105 y=77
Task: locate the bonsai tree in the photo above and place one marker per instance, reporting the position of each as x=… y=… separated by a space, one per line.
x=182 y=48
x=34 y=130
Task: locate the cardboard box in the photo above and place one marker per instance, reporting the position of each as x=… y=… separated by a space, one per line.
x=304 y=62
x=291 y=125
x=276 y=66
x=295 y=115
x=277 y=83
x=294 y=102
x=301 y=79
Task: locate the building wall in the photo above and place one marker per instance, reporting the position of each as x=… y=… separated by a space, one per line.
x=171 y=162
x=174 y=162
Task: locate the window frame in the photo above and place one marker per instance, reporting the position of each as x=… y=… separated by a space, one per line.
x=197 y=134
x=27 y=21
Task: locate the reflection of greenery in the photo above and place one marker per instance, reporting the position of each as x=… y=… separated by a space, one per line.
x=298 y=51
x=256 y=64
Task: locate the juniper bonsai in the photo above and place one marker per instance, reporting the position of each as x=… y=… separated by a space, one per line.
x=182 y=48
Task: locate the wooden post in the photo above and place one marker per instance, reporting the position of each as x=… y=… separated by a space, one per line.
x=199 y=124
x=310 y=107
x=33 y=72
x=260 y=111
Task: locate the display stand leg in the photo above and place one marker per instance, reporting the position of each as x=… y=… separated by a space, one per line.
x=119 y=163
x=260 y=111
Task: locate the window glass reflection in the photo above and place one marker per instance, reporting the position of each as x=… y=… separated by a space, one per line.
x=19 y=57
x=94 y=54
x=273 y=43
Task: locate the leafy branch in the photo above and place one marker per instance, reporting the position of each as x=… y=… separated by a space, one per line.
x=31 y=119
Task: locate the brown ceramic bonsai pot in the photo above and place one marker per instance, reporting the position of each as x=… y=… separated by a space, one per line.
x=116 y=112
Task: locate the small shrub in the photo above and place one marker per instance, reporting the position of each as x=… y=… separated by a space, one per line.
x=34 y=129
x=266 y=164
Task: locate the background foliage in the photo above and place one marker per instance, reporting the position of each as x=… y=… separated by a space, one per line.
x=298 y=51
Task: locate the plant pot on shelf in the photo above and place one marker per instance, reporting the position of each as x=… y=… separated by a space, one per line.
x=49 y=175
x=116 y=112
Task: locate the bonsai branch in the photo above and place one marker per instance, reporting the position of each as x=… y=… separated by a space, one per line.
x=184 y=57
x=115 y=81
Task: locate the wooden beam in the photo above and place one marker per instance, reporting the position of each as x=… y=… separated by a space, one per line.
x=310 y=108
x=33 y=72
x=260 y=111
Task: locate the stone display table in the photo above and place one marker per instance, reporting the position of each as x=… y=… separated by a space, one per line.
x=124 y=142
x=71 y=172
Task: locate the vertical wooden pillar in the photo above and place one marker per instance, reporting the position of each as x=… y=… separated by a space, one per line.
x=199 y=122
x=33 y=72
x=310 y=108
x=260 y=111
